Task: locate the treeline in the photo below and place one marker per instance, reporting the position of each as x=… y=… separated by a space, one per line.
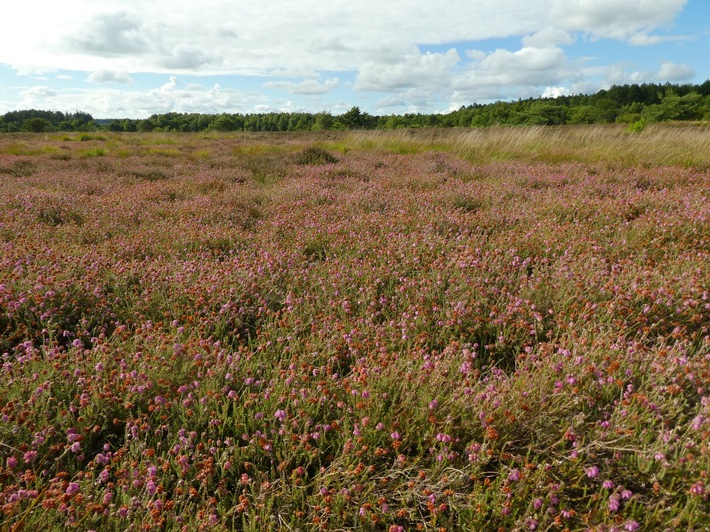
x=629 y=104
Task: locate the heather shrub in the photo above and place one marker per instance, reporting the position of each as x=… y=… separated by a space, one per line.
x=426 y=335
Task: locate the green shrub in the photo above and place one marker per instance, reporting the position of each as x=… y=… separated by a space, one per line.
x=315 y=155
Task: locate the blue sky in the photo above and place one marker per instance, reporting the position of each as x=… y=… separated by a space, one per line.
x=134 y=58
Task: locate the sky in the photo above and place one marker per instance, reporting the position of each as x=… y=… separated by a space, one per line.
x=135 y=58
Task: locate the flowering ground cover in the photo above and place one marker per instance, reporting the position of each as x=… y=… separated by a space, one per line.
x=338 y=331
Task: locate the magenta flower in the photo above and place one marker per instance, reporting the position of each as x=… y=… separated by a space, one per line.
x=697 y=489
x=631 y=526
x=614 y=503
x=592 y=471
x=73 y=488
x=280 y=415
x=514 y=475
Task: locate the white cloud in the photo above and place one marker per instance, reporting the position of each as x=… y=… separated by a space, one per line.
x=613 y=18
x=187 y=57
x=554 y=92
x=527 y=66
x=309 y=86
x=111 y=35
x=549 y=37
x=326 y=44
x=674 y=72
x=430 y=70
x=108 y=76
x=38 y=92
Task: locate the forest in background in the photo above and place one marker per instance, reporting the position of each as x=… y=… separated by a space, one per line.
x=635 y=105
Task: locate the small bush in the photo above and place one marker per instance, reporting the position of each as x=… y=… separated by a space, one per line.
x=636 y=127
x=315 y=155
x=19 y=169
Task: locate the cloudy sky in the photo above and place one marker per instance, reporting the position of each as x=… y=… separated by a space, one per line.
x=133 y=58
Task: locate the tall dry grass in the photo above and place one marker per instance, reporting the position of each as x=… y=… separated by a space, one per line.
x=659 y=144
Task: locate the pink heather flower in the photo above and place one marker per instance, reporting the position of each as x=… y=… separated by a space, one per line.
x=532 y=523
x=608 y=484
x=444 y=438
x=614 y=504
x=108 y=497
x=592 y=471
x=514 y=475
x=280 y=415
x=73 y=488
x=75 y=447
x=11 y=462
x=104 y=475
x=697 y=422
x=395 y=435
x=537 y=504
x=631 y=526
x=99 y=367
x=697 y=489
x=626 y=494
x=151 y=488
x=29 y=456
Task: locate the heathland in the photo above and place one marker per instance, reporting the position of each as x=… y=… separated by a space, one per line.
x=491 y=329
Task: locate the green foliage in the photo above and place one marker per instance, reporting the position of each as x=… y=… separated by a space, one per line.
x=315 y=155
x=637 y=127
x=621 y=103
x=37 y=125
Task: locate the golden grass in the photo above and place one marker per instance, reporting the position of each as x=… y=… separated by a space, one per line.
x=659 y=144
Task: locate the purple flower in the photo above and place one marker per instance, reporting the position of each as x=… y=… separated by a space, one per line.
x=280 y=415
x=29 y=456
x=73 y=488
x=395 y=435
x=151 y=488
x=631 y=525
x=697 y=489
x=592 y=471
x=11 y=462
x=514 y=475
x=614 y=504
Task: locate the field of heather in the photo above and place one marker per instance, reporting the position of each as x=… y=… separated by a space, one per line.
x=502 y=329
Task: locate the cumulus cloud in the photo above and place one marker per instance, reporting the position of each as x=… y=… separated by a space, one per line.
x=111 y=34
x=308 y=86
x=108 y=76
x=674 y=72
x=432 y=70
x=527 y=66
x=38 y=92
x=168 y=97
x=187 y=57
x=549 y=37
x=613 y=18
x=296 y=46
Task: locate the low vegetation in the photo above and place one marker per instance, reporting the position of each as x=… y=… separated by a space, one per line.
x=500 y=329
